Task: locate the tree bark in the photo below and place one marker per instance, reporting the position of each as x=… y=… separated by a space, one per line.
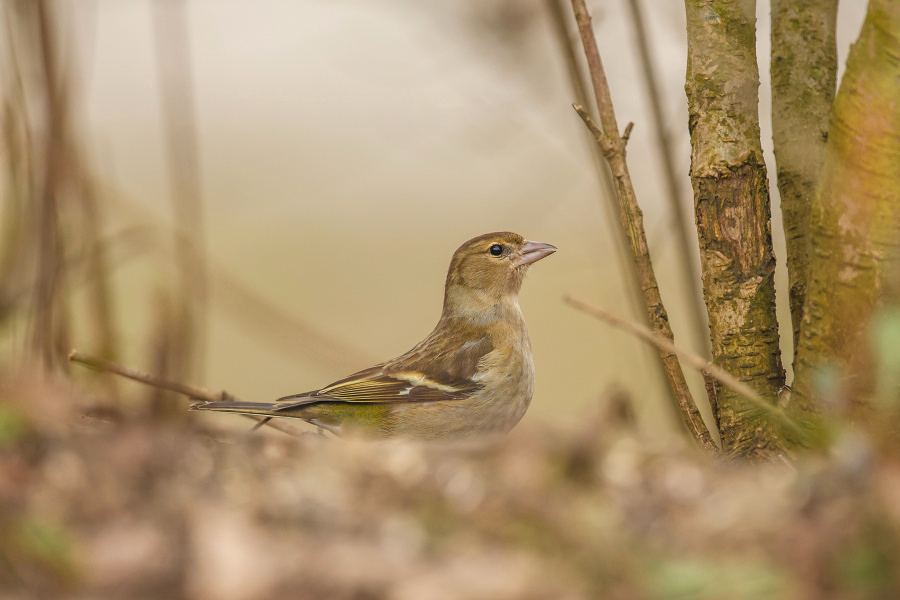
x=855 y=222
x=804 y=74
x=731 y=201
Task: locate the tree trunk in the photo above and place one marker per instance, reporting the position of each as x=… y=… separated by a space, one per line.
x=804 y=73
x=731 y=200
x=855 y=221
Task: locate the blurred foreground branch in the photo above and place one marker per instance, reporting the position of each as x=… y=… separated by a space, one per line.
x=191 y=391
x=181 y=319
x=684 y=238
x=613 y=147
x=50 y=324
x=706 y=368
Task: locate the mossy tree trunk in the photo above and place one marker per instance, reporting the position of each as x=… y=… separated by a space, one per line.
x=804 y=72
x=731 y=201
x=855 y=221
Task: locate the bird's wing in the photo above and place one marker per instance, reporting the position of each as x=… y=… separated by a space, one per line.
x=421 y=375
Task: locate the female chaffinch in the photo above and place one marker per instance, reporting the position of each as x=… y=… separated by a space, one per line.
x=473 y=375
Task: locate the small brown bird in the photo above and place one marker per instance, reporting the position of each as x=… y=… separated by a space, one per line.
x=473 y=375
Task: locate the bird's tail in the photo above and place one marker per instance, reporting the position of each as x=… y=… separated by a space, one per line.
x=245 y=408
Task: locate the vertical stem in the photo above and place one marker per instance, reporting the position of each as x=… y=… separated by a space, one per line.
x=683 y=237
x=49 y=340
x=174 y=60
x=731 y=200
x=631 y=218
x=804 y=74
x=855 y=225
x=560 y=12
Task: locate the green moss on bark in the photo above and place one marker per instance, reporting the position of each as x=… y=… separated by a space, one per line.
x=731 y=200
x=804 y=70
x=855 y=220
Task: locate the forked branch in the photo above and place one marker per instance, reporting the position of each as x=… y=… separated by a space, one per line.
x=612 y=144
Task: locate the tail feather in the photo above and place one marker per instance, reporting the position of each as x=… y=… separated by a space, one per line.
x=244 y=408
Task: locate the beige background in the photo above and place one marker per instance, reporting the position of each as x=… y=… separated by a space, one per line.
x=347 y=148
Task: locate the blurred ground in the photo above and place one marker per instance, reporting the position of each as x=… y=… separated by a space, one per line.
x=101 y=503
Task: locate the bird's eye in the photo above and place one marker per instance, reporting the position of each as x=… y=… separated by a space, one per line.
x=496 y=250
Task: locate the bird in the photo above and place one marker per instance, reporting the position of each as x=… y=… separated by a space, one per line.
x=472 y=376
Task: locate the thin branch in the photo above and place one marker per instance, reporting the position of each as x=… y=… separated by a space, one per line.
x=705 y=367
x=695 y=361
x=626 y=135
x=561 y=18
x=191 y=391
x=677 y=202
x=599 y=136
x=197 y=393
x=595 y=67
x=632 y=221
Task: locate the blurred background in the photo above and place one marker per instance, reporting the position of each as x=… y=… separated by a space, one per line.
x=263 y=197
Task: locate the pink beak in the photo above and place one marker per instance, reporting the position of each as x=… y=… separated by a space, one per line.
x=535 y=251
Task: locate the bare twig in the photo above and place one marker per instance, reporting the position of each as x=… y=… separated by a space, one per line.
x=631 y=219
x=191 y=391
x=561 y=16
x=595 y=67
x=601 y=138
x=186 y=323
x=693 y=360
x=683 y=236
x=705 y=367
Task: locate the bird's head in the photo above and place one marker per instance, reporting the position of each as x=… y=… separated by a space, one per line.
x=489 y=268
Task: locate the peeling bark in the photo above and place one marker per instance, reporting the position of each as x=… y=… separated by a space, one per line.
x=855 y=221
x=804 y=73
x=731 y=201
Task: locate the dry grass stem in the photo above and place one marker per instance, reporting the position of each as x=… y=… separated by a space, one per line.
x=191 y=391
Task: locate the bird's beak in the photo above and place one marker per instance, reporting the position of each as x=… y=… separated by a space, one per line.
x=534 y=251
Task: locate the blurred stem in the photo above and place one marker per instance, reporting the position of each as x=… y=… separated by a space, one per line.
x=854 y=224
x=613 y=147
x=182 y=328
x=49 y=336
x=804 y=75
x=561 y=16
x=684 y=238
x=97 y=271
x=561 y=13
x=15 y=243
